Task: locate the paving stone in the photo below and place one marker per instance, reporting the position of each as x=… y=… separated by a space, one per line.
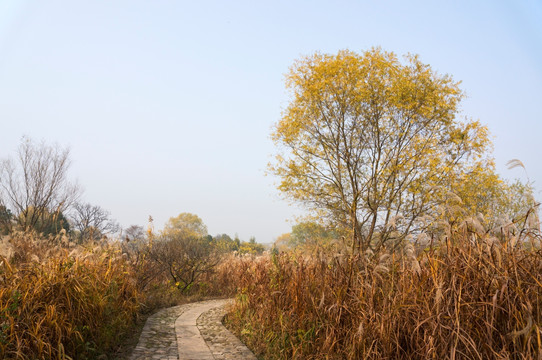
x=190 y=332
x=222 y=343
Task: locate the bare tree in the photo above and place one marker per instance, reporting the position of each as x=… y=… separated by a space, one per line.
x=135 y=241
x=135 y=233
x=34 y=184
x=92 y=221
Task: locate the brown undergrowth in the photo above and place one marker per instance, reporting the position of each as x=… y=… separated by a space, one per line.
x=467 y=297
x=64 y=301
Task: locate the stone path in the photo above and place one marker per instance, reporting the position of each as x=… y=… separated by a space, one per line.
x=192 y=332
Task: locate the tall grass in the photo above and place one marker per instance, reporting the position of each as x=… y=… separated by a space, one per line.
x=64 y=301
x=469 y=297
x=64 y=304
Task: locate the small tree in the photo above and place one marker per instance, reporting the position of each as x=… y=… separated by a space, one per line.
x=92 y=221
x=186 y=225
x=135 y=233
x=184 y=250
x=36 y=184
x=184 y=257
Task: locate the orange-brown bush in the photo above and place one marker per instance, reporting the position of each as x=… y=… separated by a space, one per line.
x=469 y=298
x=64 y=304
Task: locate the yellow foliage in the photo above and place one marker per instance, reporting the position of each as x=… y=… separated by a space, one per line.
x=186 y=225
x=366 y=137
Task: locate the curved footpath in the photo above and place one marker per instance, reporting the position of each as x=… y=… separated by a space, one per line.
x=191 y=331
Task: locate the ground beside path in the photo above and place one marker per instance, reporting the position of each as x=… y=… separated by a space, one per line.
x=190 y=332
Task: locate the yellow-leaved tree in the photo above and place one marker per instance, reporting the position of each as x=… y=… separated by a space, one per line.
x=186 y=225
x=374 y=144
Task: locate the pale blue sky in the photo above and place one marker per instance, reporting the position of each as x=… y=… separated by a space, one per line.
x=167 y=106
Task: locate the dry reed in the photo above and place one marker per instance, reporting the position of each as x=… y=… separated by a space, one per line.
x=470 y=297
x=64 y=304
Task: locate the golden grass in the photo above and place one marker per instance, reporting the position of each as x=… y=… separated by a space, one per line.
x=62 y=301
x=65 y=305
x=470 y=297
